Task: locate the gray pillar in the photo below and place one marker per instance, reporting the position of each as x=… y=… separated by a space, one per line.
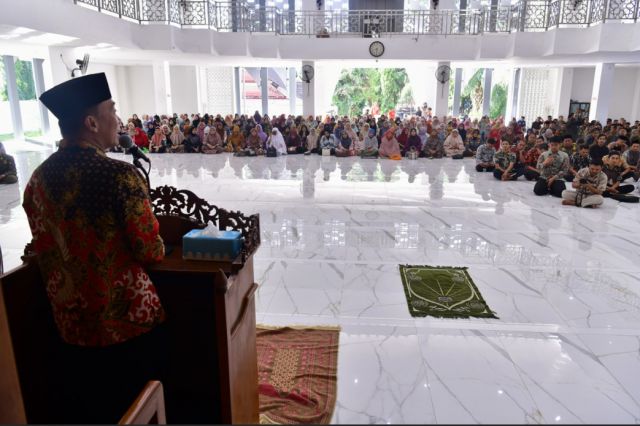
x=486 y=91
x=236 y=87
x=38 y=76
x=493 y=15
x=292 y=16
x=12 y=91
x=463 y=17
x=293 y=92
x=263 y=15
x=264 y=89
x=456 y=92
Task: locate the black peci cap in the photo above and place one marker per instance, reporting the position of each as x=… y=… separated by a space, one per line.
x=70 y=99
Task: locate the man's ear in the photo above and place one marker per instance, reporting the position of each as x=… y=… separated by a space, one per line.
x=91 y=123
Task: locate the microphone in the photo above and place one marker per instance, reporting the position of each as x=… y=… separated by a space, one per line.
x=125 y=141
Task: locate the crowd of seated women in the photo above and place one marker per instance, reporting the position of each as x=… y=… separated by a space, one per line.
x=552 y=150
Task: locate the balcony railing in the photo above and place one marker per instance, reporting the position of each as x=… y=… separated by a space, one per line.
x=525 y=16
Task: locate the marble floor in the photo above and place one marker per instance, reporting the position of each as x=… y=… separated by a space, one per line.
x=564 y=281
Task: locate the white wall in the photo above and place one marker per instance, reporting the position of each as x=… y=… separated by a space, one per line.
x=138 y=91
x=624 y=85
x=582 y=86
x=184 y=89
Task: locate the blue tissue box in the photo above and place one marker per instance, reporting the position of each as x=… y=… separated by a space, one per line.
x=224 y=248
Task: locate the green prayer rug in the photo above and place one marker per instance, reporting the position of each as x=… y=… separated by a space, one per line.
x=442 y=292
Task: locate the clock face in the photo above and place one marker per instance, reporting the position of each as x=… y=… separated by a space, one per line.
x=376 y=49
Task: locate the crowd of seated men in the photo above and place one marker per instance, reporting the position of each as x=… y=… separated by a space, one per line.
x=551 y=152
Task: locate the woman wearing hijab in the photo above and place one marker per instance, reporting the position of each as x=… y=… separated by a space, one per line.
x=413 y=143
x=254 y=143
x=462 y=131
x=276 y=141
x=402 y=135
x=235 y=141
x=158 y=142
x=423 y=131
x=303 y=131
x=262 y=134
x=345 y=145
x=389 y=147
x=434 y=147
x=219 y=129
x=370 y=149
x=294 y=143
x=211 y=143
x=193 y=143
x=200 y=128
x=312 y=141
x=454 y=146
x=177 y=139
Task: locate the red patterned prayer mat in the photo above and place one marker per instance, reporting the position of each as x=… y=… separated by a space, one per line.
x=297 y=374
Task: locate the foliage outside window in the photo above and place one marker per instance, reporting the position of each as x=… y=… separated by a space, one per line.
x=24 y=81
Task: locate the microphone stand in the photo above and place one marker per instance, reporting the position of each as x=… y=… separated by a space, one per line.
x=145 y=173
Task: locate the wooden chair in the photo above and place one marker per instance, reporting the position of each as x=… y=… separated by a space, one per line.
x=148 y=408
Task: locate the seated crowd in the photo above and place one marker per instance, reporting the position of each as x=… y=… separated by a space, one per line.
x=549 y=152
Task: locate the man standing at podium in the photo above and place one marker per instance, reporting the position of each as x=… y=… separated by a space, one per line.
x=93 y=230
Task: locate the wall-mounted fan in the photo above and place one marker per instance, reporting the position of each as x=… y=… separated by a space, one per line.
x=307 y=75
x=82 y=64
x=443 y=74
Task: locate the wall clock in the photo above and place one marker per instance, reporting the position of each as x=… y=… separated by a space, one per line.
x=376 y=49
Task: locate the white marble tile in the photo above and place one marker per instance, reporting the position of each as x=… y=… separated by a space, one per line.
x=382 y=379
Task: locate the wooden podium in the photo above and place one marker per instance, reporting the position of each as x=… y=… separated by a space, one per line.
x=210 y=308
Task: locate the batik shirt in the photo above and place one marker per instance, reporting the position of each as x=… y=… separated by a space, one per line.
x=93 y=228
x=485 y=154
x=503 y=159
x=558 y=168
x=7 y=165
x=599 y=180
x=578 y=162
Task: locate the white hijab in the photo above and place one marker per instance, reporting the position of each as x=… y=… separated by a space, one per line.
x=277 y=141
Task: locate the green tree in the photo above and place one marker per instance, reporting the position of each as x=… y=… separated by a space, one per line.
x=356 y=89
x=393 y=81
x=24 y=81
x=406 y=96
x=498 y=105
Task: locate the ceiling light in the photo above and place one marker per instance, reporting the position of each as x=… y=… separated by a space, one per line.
x=49 y=39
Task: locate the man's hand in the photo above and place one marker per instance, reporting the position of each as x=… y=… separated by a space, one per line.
x=548 y=161
x=550 y=181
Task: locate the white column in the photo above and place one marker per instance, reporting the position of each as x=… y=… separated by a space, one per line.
x=602 y=92
x=563 y=92
x=308 y=93
x=264 y=89
x=486 y=91
x=12 y=92
x=457 y=83
x=292 y=90
x=512 y=95
x=236 y=89
x=442 y=96
x=38 y=77
x=162 y=88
